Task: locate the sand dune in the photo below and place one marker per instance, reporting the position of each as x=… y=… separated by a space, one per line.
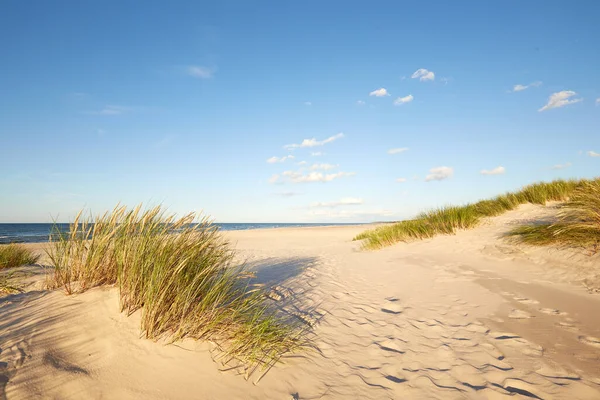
x=464 y=316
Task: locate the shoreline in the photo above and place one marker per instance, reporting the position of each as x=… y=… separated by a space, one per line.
x=467 y=315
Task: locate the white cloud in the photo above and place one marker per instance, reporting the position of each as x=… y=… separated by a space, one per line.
x=308 y=103
x=593 y=154
x=439 y=174
x=299 y=177
x=403 y=100
x=560 y=99
x=276 y=178
x=397 y=150
x=381 y=92
x=274 y=159
x=423 y=75
x=345 y=214
x=201 y=72
x=400 y=180
x=496 y=171
x=314 y=142
x=287 y=194
x=302 y=163
x=598 y=101
x=561 y=166
x=519 y=88
x=112 y=110
x=347 y=201
x=360 y=103
x=324 y=167
x=317 y=154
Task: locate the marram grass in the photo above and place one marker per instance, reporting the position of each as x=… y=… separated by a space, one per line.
x=15 y=255
x=447 y=220
x=181 y=274
x=578 y=223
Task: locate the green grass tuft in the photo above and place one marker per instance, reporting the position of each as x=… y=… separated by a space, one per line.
x=578 y=222
x=181 y=275
x=15 y=255
x=447 y=220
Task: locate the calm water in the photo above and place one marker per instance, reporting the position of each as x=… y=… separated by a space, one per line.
x=26 y=233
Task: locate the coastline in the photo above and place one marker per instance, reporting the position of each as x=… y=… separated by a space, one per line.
x=457 y=316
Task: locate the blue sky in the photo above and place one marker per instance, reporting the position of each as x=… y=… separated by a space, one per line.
x=185 y=104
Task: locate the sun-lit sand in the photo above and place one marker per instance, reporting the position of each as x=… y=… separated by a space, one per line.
x=463 y=316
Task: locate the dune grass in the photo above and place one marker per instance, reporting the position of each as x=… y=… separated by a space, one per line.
x=181 y=274
x=14 y=255
x=578 y=223
x=447 y=220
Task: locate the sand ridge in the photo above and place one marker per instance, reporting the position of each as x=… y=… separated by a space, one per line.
x=453 y=317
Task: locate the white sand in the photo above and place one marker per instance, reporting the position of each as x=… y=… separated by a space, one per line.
x=464 y=316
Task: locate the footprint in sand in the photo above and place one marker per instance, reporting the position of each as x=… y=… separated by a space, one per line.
x=519 y=314
x=590 y=340
x=525 y=300
x=393 y=307
x=552 y=311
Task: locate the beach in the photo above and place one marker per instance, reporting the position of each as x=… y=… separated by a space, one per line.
x=470 y=315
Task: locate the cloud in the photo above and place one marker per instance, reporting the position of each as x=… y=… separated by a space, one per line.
x=274 y=159
x=439 y=174
x=287 y=194
x=111 y=110
x=317 y=154
x=302 y=163
x=403 y=100
x=598 y=101
x=347 y=201
x=201 y=72
x=324 y=167
x=397 y=150
x=381 y=92
x=561 y=166
x=560 y=99
x=276 y=178
x=360 y=103
x=496 y=171
x=299 y=177
x=423 y=75
x=593 y=154
x=345 y=214
x=314 y=142
x=519 y=88
x=308 y=103
x=400 y=180
x=164 y=141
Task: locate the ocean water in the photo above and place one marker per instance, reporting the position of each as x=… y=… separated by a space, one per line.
x=30 y=233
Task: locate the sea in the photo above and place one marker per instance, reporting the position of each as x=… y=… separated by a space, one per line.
x=32 y=232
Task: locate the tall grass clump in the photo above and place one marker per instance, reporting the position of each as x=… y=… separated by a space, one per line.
x=181 y=274
x=578 y=223
x=15 y=255
x=447 y=220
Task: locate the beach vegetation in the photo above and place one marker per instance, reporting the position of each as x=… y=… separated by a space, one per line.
x=181 y=274
x=577 y=225
x=448 y=220
x=15 y=254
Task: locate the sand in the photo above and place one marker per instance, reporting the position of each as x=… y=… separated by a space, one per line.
x=462 y=316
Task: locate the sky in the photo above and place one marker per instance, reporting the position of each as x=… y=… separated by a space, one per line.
x=312 y=111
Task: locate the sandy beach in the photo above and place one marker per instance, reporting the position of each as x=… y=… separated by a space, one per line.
x=462 y=316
